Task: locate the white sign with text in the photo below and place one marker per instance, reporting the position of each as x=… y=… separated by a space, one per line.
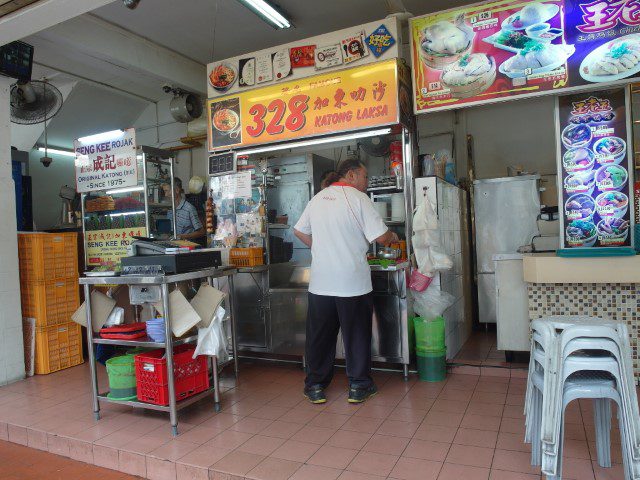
x=107 y=163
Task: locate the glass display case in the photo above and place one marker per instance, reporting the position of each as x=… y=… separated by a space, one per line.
x=111 y=218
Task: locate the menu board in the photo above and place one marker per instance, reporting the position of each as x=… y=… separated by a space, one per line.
x=497 y=50
x=594 y=168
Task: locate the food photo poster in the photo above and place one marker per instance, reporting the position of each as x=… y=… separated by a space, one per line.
x=594 y=169
x=495 y=50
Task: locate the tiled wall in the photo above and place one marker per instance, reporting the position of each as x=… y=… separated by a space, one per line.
x=11 y=350
x=614 y=301
x=450 y=201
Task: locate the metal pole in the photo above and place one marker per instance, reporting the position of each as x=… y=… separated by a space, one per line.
x=92 y=357
x=173 y=412
x=216 y=383
x=233 y=325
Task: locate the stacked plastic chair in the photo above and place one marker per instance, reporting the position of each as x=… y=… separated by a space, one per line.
x=575 y=357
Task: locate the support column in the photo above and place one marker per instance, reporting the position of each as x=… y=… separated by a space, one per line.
x=11 y=342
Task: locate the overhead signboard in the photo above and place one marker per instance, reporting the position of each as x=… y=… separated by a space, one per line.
x=107 y=163
x=332 y=51
x=498 y=50
x=353 y=99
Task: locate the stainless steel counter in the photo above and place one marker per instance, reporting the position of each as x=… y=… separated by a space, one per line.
x=272 y=311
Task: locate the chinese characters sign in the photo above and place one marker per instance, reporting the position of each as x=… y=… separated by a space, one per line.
x=351 y=99
x=501 y=49
x=594 y=168
x=109 y=246
x=106 y=164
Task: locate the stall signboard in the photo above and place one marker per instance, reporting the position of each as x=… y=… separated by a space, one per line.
x=349 y=47
x=106 y=164
x=506 y=49
x=353 y=99
x=593 y=151
x=109 y=246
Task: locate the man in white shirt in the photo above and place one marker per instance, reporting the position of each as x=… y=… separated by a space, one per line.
x=338 y=224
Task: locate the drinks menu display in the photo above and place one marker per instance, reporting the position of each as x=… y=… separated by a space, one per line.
x=512 y=48
x=594 y=168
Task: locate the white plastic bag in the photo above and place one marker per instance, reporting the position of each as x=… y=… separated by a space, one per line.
x=116 y=317
x=432 y=302
x=212 y=340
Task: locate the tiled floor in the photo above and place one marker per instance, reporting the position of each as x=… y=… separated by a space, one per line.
x=24 y=463
x=481 y=350
x=466 y=428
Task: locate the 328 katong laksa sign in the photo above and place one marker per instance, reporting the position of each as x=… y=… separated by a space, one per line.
x=352 y=99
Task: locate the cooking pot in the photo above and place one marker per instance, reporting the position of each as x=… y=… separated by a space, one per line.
x=389 y=253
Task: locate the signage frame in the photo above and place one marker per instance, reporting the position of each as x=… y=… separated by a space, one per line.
x=454 y=106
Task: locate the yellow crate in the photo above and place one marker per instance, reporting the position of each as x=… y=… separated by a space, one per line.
x=47 y=256
x=58 y=347
x=246 y=257
x=50 y=303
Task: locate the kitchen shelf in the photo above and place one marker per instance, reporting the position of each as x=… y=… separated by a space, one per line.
x=146 y=342
x=384 y=189
x=161 y=408
x=160 y=205
x=278 y=226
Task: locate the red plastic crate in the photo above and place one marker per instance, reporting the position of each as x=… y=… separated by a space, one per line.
x=190 y=376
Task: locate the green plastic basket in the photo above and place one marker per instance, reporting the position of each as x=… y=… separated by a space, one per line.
x=429 y=334
x=122 y=378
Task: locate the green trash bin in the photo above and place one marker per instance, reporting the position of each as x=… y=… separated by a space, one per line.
x=432 y=366
x=429 y=334
x=122 y=378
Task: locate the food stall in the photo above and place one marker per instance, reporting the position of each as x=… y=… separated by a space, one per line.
x=122 y=200
x=585 y=54
x=278 y=120
x=159 y=314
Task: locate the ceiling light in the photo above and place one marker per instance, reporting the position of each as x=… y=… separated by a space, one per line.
x=102 y=137
x=317 y=141
x=124 y=214
x=55 y=151
x=139 y=188
x=267 y=13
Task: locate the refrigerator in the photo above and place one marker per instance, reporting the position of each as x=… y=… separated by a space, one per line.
x=505 y=214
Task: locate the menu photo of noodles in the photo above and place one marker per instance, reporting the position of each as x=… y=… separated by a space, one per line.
x=224 y=123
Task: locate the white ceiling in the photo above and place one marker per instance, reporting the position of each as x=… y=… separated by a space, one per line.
x=114 y=87
x=188 y=26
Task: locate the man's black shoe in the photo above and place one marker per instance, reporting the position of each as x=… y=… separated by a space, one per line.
x=359 y=395
x=315 y=394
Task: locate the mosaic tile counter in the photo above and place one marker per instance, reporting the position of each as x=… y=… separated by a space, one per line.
x=617 y=301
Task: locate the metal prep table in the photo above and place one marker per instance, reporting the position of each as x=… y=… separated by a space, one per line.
x=163 y=281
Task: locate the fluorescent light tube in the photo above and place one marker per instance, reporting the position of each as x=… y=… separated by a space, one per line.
x=102 y=137
x=55 y=151
x=317 y=141
x=123 y=214
x=268 y=13
x=138 y=188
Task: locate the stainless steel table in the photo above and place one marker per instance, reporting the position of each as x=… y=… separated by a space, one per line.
x=163 y=281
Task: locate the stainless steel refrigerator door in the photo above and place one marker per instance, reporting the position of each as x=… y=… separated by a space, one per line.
x=506 y=210
x=487 y=298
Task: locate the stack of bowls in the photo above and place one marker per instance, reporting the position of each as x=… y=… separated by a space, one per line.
x=156 y=329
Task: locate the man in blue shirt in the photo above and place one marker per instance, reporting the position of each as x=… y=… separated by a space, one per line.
x=188 y=225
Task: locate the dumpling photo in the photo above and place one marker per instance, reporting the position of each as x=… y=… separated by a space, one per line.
x=470 y=75
x=444 y=42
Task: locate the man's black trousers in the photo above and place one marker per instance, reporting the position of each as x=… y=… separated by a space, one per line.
x=326 y=316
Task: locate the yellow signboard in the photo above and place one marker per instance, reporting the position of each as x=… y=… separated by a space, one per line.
x=109 y=246
x=353 y=99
